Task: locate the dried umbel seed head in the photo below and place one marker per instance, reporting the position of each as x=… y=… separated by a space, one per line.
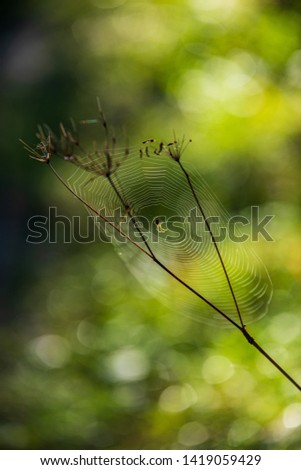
x=230 y=281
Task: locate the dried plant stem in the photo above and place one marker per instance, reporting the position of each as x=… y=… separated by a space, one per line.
x=149 y=252
x=270 y=359
x=213 y=239
x=43 y=152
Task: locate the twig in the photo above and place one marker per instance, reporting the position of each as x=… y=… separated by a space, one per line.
x=43 y=153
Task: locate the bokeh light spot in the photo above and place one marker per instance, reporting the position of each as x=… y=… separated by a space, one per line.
x=288 y=323
x=292 y=415
x=242 y=430
x=128 y=365
x=52 y=350
x=177 y=398
x=217 y=369
x=192 y=434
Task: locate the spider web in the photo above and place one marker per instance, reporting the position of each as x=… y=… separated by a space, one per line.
x=153 y=198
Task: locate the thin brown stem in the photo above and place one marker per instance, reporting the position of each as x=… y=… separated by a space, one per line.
x=213 y=239
x=254 y=343
x=152 y=256
x=133 y=217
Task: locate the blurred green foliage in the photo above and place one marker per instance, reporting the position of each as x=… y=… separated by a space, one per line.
x=88 y=358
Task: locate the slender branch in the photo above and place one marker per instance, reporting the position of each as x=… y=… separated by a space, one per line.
x=44 y=156
x=269 y=358
x=212 y=238
x=249 y=338
x=133 y=217
x=152 y=256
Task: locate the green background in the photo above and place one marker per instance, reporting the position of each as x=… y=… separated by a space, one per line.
x=88 y=358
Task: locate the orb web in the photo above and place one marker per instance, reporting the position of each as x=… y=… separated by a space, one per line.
x=147 y=197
